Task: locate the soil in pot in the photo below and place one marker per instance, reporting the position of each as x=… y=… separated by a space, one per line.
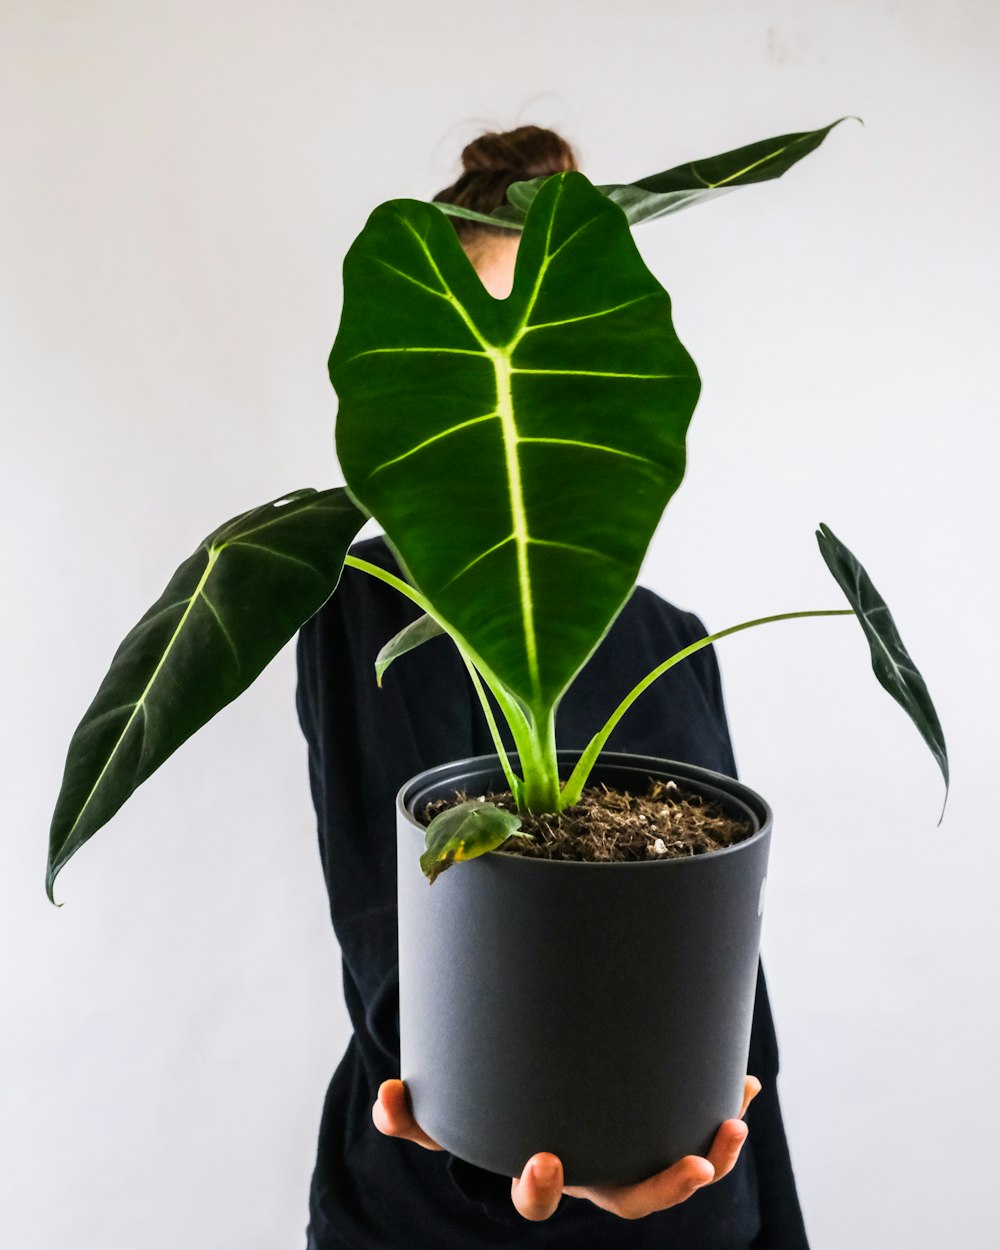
x=606 y=825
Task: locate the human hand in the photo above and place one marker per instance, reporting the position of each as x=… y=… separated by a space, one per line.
x=536 y=1192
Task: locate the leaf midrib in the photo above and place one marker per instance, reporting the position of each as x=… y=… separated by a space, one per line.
x=505 y=407
x=500 y=357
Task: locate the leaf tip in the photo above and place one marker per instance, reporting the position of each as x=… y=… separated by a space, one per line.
x=50 y=881
x=434 y=868
x=848 y=117
x=946 y=774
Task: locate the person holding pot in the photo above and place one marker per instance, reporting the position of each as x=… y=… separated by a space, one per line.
x=364 y=743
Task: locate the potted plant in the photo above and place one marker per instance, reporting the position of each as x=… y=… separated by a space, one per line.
x=519 y=454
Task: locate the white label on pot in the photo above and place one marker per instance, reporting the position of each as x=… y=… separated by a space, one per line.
x=760 y=897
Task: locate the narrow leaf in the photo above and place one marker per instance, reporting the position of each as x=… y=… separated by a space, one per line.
x=697 y=181
x=422 y=630
x=692 y=183
x=463 y=832
x=890 y=660
x=224 y=615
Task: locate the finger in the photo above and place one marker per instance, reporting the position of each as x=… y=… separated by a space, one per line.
x=392 y=1116
x=537 y=1191
x=666 y=1189
x=751 y=1088
x=727 y=1146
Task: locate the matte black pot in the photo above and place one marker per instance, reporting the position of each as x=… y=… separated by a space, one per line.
x=599 y=1011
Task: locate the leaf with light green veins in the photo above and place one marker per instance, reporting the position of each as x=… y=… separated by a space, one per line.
x=518 y=453
x=422 y=630
x=692 y=183
x=891 y=662
x=227 y=611
x=464 y=831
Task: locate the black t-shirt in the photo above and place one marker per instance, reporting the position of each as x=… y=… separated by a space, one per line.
x=369 y=1190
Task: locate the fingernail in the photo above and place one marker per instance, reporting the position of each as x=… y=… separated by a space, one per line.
x=544 y=1171
x=740 y=1133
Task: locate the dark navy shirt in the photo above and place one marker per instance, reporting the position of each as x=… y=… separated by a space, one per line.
x=369 y=1190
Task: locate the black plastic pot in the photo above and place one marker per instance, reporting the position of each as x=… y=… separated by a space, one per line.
x=599 y=1011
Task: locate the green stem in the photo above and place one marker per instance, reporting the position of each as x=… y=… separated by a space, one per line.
x=512 y=779
x=541 y=770
x=395 y=582
x=574 y=786
x=520 y=728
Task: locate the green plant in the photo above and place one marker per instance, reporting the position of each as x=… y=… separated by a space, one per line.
x=518 y=453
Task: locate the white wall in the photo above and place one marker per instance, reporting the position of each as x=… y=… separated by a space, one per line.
x=180 y=184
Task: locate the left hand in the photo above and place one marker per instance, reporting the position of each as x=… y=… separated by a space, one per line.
x=536 y=1192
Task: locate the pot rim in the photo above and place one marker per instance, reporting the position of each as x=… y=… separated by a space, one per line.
x=757 y=806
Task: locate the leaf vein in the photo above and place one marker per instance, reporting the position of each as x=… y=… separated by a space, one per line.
x=452 y=429
x=280 y=555
x=222 y=625
x=482 y=556
x=603 y=312
x=577 y=442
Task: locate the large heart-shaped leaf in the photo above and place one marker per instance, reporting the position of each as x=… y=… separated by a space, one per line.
x=890 y=660
x=658 y=194
x=520 y=452
x=225 y=614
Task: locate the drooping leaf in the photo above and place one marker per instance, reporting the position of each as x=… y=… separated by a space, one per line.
x=464 y=831
x=422 y=630
x=890 y=660
x=520 y=452
x=692 y=183
x=224 y=615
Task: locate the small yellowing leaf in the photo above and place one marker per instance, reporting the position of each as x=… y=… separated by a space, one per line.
x=464 y=831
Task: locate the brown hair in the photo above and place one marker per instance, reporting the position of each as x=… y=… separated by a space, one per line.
x=492 y=162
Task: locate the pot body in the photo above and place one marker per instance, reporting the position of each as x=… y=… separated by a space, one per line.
x=600 y=1011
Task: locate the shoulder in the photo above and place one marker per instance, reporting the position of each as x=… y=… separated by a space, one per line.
x=376 y=551
x=360 y=592
x=362 y=612
x=647 y=608
x=659 y=629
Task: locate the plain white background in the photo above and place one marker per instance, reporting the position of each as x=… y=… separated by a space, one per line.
x=180 y=185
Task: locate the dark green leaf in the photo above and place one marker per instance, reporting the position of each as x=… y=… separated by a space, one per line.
x=223 y=617
x=674 y=189
x=519 y=453
x=893 y=666
x=422 y=630
x=658 y=194
x=463 y=832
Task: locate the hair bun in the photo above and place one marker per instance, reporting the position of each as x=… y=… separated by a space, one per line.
x=527 y=152
x=492 y=162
